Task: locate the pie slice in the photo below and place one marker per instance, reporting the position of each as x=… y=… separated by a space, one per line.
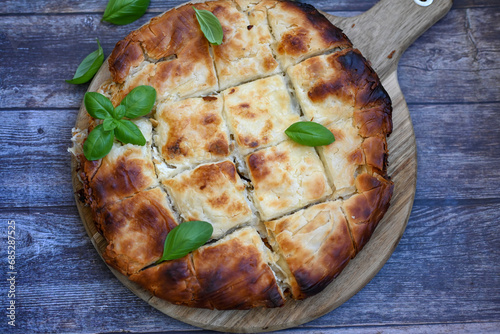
x=259 y=112
x=332 y=87
x=285 y=178
x=245 y=53
x=365 y=209
x=136 y=229
x=126 y=170
x=191 y=131
x=314 y=245
x=235 y=272
x=300 y=31
x=214 y=193
x=232 y=273
x=170 y=53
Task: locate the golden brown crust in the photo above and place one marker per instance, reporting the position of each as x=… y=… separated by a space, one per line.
x=174 y=281
x=301 y=31
x=342 y=85
x=234 y=273
x=343 y=157
x=120 y=176
x=170 y=53
x=315 y=244
x=245 y=53
x=259 y=112
x=375 y=151
x=365 y=209
x=191 y=131
x=135 y=229
x=286 y=177
x=214 y=193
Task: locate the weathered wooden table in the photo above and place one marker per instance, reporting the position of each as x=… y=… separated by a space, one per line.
x=443 y=277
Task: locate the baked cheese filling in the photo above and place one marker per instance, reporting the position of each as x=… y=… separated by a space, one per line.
x=286 y=218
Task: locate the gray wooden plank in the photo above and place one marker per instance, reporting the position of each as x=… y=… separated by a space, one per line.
x=458 y=154
x=34 y=162
x=158 y=6
x=444 y=270
x=458 y=149
x=453 y=60
x=456 y=61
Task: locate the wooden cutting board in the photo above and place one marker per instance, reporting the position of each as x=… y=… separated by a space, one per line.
x=382 y=34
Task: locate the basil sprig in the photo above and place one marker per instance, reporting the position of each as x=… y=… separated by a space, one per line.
x=122 y=12
x=88 y=67
x=185 y=238
x=210 y=26
x=137 y=103
x=310 y=134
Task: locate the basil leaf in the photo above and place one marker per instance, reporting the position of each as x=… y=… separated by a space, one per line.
x=128 y=133
x=119 y=112
x=98 y=105
x=210 y=26
x=109 y=124
x=98 y=143
x=139 y=101
x=185 y=238
x=310 y=134
x=88 y=67
x=124 y=11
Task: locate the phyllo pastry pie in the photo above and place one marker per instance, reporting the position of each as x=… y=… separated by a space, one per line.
x=286 y=218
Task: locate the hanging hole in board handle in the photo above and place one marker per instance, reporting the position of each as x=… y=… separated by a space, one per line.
x=423 y=3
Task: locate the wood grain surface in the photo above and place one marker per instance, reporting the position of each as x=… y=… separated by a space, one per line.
x=444 y=275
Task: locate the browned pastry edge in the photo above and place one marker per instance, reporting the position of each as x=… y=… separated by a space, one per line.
x=234 y=276
x=174 y=281
x=310 y=273
x=295 y=41
x=229 y=275
x=150 y=40
x=135 y=229
x=365 y=209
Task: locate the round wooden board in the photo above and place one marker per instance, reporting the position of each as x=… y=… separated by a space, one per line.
x=402 y=169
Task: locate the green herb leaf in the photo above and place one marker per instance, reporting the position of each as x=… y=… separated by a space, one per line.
x=128 y=133
x=124 y=11
x=210 y=26
x=310 y=134
x=185 y=238
x=88 y=67
x=98 y=105
x=119 y=112
x=139 y=101
x=98 y=143
x=109 y=124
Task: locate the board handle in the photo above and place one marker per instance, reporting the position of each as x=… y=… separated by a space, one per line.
x=388 y=28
